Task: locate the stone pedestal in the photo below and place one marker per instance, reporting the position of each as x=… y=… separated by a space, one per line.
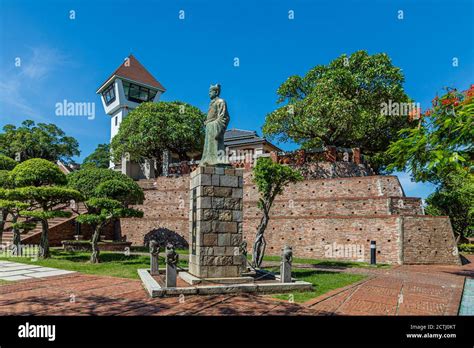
x=215 y=225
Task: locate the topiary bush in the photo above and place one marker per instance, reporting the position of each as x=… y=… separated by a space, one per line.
x=100 y=182
x=37 y=172
x=6 y=163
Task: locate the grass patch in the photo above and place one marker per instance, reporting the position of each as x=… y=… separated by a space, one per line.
x=329 y=263
x=112 y=263
x=322 y=281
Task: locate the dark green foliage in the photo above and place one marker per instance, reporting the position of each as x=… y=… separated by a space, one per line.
x=87 y=181
x=37 y=172
x=455 y=198
x=100 y=158
x=340 y=104
x=152 y=128
x=43 y=140
x=6 y=163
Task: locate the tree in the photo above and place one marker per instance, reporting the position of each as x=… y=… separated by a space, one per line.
x=100 y=212
x=6 y=163
x=455 y=198
x=270 y=179
x=89 y=181
x=441 y=150
x=108 y=194
x=152 y=128
x=340 y=104
x=38 y=183
x=43 y=140
x=37 y=172
x=442 y=143
x=100 y=158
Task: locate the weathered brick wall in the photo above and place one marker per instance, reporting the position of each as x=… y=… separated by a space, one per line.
x=406 y=206
x=310 y=215
x=314 y=238
x=428 y=240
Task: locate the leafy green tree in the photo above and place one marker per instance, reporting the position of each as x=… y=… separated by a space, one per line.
x=43 y=140
x=37 y=172
x=102 y=211
x=340 y=104
x=442 y=143
x=38 y=183
x=100 y=158
x=43 y=202
x=270 y=179
x=455 y=198
x=90 y=181
x=5 y=181
x=152 y=128
x=441 y=150
x=6 y=163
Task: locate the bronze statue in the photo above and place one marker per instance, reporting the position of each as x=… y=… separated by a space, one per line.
x=216 y=125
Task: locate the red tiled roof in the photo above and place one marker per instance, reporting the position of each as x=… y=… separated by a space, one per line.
x=136 y=72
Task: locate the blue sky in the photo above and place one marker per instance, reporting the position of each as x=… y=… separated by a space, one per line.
x=63 y=58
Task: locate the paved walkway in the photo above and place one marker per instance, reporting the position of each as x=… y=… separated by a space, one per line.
x=12 y=271
x=404 y=290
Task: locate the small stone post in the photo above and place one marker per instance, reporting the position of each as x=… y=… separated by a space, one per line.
x=171 y=262
x=154 y=253
x=285 y=266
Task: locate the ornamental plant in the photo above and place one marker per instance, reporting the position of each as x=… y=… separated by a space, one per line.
x=271 y=179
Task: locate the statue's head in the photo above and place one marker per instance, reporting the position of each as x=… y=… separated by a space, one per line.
x=214 y=91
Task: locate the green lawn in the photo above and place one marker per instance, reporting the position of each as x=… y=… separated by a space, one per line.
x=112 y=263
x=322 y=281
x=331 y=263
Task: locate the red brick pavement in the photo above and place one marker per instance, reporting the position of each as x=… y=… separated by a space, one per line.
x=404 y=290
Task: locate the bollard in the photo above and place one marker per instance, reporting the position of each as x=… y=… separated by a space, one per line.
x=171 y=262
x=285 y=266
x=154 y=253
x=373 y=250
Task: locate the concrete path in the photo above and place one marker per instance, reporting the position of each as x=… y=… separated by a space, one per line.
x=12 y=271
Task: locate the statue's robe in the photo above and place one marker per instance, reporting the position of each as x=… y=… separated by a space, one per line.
x=216 y=125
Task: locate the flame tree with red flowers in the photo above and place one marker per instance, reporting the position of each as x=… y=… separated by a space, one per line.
x=441 y=151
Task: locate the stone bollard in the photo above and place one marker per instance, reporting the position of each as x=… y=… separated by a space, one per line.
x=285 y=266
x=171 y=262
x=154 y=253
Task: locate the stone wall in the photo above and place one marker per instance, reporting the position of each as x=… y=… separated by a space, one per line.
x=311 y=216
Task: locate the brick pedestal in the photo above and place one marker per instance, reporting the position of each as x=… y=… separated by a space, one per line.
x=215 y=222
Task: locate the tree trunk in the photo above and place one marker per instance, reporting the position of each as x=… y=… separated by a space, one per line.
x=16 y=236
x=260 y=243
x=95 y=249
x=44 y=242
x=2 y=224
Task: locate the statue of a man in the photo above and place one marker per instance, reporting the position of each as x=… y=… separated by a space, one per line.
x=216 y=124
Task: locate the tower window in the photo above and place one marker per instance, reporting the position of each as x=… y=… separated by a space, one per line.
x=138 y=94
x=109 y=94
x=116 y=120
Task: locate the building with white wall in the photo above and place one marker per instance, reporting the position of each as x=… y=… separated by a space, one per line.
x=128 y=86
